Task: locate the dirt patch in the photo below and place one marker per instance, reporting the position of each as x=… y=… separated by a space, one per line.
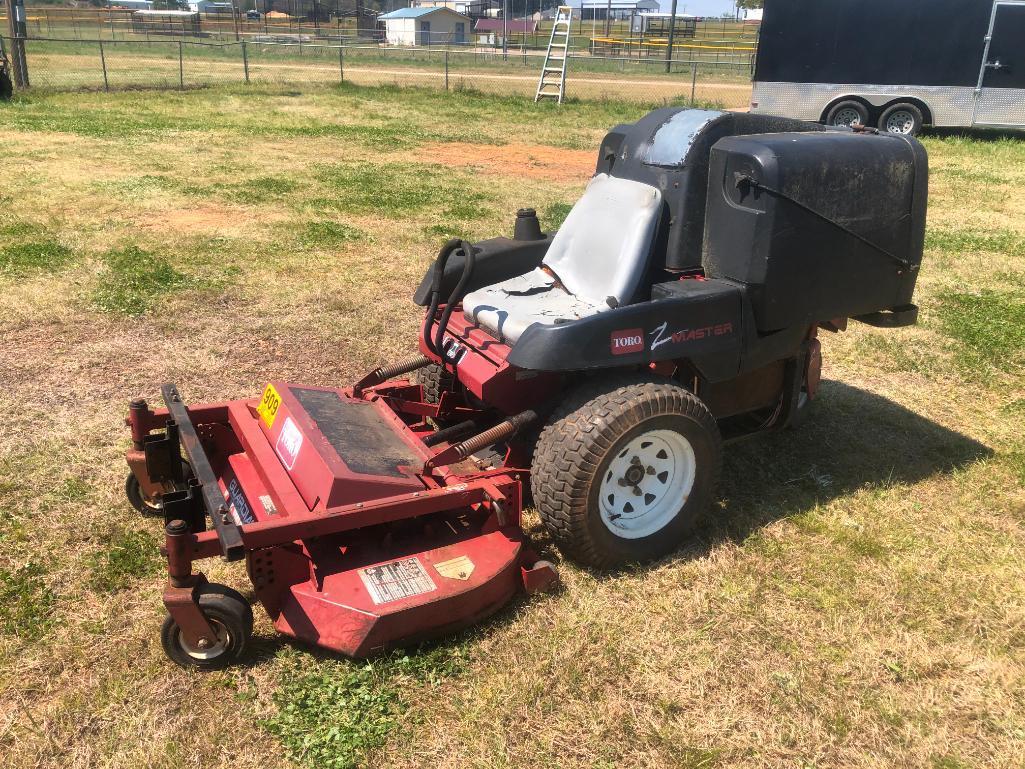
x=531 y=160
x=198 y=219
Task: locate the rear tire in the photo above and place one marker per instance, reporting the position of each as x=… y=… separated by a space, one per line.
x=901 y=118
x=435 y=380
x=844 y=114
x=232 y=618
x=624 y=468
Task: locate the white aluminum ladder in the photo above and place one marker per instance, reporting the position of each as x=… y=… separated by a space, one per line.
x=552 y=84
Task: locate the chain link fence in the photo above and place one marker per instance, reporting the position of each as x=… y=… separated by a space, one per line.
x=76 y=64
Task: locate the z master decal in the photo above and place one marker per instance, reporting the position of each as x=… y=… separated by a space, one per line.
x=661 y=337
x=630 y=340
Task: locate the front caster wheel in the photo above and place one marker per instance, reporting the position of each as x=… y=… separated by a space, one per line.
x=148 y=505
x=624 y=468
x=231 y=617
x=140 y=501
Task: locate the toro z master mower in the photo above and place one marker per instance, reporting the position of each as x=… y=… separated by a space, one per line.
x=601 y=367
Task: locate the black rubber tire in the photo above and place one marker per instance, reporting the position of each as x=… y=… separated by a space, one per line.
x=226 y=609
x=580 y=440
x=847 y=104
x=6 y=85
x=916 y=118
x=435 y=380
x=136 y=499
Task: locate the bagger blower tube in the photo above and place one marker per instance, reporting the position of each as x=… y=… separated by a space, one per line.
x=435 y=344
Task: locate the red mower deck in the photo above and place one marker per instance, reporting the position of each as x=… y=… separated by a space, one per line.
x=309 y=484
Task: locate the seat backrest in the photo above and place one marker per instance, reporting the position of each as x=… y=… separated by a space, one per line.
x=602 y=248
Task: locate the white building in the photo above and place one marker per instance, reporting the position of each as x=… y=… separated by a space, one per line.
x=658 y=23
x=135 y=5
x=425 y=26
x=620 y=9
x=470 y=7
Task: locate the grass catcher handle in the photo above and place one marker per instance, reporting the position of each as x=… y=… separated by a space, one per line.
x=435 y=344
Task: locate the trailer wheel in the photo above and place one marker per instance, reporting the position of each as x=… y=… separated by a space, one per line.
x=844 y=114
x=624 y=468
x=435 y=380
x=230 y=615
x=901 y=118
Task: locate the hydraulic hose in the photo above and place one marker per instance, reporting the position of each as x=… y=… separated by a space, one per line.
x=434 y=344
x=454 y=298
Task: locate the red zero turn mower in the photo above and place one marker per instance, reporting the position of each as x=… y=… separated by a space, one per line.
x=677 y=307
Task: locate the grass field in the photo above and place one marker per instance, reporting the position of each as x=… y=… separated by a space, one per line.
x=855 y=599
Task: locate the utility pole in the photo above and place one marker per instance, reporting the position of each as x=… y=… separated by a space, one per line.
x=18 y=32
x=669 y=45
x=505 y=29
x=608 y=19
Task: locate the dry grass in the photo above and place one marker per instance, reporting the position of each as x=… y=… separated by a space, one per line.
x=856 y=600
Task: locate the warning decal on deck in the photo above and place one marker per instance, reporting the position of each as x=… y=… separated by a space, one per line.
x=388 y=582
x=457 y=568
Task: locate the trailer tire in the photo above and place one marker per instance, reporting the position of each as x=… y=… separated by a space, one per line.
x=901 y=118
x=230 y=614
x=845 y=113
x=599 y=509
x=435 y=380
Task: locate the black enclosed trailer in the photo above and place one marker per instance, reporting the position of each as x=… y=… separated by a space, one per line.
x=897 y=64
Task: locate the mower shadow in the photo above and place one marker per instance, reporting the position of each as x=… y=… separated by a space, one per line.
x=852 y=440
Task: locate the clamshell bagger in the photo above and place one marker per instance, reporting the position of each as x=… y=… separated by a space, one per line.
x=596 y=371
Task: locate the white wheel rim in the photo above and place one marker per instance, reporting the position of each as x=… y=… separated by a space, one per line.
x=223 y=639
x=900 y=122
x=846 y=117
x=647 y=483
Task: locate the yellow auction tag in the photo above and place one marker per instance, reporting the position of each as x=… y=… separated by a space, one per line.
x=269 y=404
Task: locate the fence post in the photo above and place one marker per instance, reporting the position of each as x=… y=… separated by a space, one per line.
x=245 y=61
x=446 y=69
x=181 y=67
x=16 y=26
x=341 y=60
x=693 y=82
x=103 y=65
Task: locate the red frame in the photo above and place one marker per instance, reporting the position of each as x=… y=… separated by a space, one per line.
x=316 y=545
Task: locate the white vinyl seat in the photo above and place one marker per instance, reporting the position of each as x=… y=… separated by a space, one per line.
x=600 y=255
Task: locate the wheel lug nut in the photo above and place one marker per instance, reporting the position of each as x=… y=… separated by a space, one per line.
x=637 y=491
x=650 y=470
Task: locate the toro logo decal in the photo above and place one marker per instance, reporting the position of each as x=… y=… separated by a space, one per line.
x=662 y=336
x=290 y=440
x=630 y=340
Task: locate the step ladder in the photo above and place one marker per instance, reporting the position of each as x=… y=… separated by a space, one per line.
x=552 y=84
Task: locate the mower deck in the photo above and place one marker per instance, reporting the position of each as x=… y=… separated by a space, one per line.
x=350 y=543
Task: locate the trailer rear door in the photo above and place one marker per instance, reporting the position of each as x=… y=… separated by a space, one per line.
x=1001 y=94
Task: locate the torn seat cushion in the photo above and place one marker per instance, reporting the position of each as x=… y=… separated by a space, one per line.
x=600 y=254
